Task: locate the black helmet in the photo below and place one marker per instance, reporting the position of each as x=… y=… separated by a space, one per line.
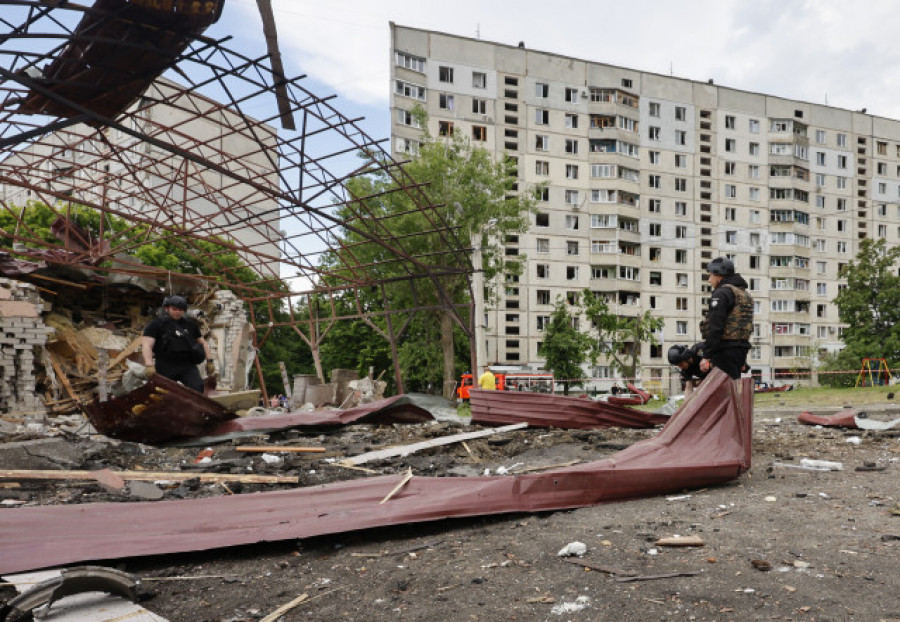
x=678 y=353
x=721 y=266
x=176 y=301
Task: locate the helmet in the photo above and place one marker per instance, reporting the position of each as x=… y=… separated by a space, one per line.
x=678 y=353
x=175 y=301
x=721 y=266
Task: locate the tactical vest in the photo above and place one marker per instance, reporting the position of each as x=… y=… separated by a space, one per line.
x=739 y=325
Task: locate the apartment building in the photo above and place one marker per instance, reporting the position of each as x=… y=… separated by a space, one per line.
x=648 y=178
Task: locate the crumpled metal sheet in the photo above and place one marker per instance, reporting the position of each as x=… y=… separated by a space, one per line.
x=159 y=411
x=555 y=411
x=397 y=409
x=847 y=418
x=707 y=441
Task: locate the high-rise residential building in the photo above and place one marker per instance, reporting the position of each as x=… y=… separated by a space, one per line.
x=648 y=177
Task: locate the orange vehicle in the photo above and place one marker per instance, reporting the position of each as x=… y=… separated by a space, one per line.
x=512 y=381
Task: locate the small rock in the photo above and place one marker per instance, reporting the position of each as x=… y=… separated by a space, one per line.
x=573 y=548
x=761 y=564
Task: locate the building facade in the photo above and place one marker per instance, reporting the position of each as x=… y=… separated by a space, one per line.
x=648 y=177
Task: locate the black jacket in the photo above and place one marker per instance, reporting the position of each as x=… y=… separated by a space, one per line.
x=721 y=303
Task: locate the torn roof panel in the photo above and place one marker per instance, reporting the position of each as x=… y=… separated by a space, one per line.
x=555 y=411
x=159 y=411
x=706 y=442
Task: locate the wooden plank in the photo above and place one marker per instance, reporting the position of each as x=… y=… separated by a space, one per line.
x=404 y=450
x=62 y=378
x=124 y=354
x=147 y=476
x=397 y=488
x=278 y=448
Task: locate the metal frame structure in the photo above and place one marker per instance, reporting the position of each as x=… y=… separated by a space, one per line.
x=128 y=108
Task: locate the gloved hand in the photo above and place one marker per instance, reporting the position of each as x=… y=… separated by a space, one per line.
x=149 y=370
x=210 y=367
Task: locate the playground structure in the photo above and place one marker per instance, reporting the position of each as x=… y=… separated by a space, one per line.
x=874 y=372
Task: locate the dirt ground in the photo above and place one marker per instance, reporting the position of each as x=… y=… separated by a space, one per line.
x=780 y=543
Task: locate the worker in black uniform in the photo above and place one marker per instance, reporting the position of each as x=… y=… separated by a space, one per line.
x=729 y=321
x=688 y=361
x=173 y=346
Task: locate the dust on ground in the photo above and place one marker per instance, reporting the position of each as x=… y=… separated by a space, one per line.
x=781 y=543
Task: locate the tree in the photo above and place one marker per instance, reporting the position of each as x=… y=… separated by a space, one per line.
x=619 y=338
x=565 y=347
x=473 y=193
x=870 y=304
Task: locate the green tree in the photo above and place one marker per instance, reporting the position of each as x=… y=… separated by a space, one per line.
x=565 y=347
x=474 y=194
x=870 y=304
x=619 y=338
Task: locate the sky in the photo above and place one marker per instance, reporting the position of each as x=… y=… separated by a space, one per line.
x=843 y=53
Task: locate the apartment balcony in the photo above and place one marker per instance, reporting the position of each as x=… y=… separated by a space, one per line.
x=630 y=236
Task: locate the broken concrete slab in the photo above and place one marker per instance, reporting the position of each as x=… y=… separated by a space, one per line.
x=43 y=453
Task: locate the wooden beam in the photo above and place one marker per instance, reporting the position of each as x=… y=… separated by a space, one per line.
x=404 y=450
x=124 y=354
x=278 y=448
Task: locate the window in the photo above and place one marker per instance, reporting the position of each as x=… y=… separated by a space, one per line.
x=542 y=168
x=681 y=327
x=654 y=206
x=654 y=157
x=543 y=245
x=570 y=95
x=680 y=160
x=445 y=101
x=730 y=191
x=654 y=181
x=655 y=278
x=680 y=113
x=729 y=122
x=680 y=137
x=604 y=171
x=753 y=171
x=729 y=168
x=479 y=133
x=542 y=142
x=842 y=205
x=407 y=145
x=820 y=180
x=821 y=289
x=681 y=232
x=541 y=116
x=543 y=194
x=571 y=248
x=543 y=296
x=541 y=90
x=730 y=214
x=543 y=270
x=654 y=109
x=479 y=106
x=571 y=121
x=731 y=237
x=571 y=145
x=571 y=273
x=571 y=221
x=754 y=126
x=653 y=133
x=820 y=136
x=680 y=208
x=842 y=140
x=409 y=90
x=543 y=321
x=842 y=183
x=572 y=198
x=841 y=225
x=542 y=219
x=655 y=229
x=841 y=246
x=681 y=184
x=410 y=62
x=754 y=215
x=842 y=161
x=445 y=128
x=405 y=117
x=730 y=145
x=681 y=279
x=479 y=80
x=681 y=256
x=754 y=149
x=753 y=194
x=571 y=171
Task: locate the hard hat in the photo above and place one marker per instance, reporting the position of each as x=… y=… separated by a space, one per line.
x=721 y=266
x=678 y=353
x=175 y=301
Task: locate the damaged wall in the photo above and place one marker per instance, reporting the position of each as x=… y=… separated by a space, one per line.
x=22 y=337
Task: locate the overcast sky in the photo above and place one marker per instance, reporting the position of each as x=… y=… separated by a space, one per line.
x=843 y=52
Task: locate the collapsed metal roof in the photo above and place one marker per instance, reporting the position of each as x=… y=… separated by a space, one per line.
x=706 y=442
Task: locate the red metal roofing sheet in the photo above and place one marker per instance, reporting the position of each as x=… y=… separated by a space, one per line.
x=707 y=441
x=555 y=411
x=842 y=419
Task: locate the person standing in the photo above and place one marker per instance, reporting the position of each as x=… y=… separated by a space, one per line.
x=487 y=380
x=729 y=320
x=172 y=346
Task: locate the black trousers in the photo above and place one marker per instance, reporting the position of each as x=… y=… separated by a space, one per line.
x=184 y=372
x=730 y=360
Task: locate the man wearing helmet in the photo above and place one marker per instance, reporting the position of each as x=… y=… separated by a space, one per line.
x=729 y=321
x=688 y=361
x=173 y=346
